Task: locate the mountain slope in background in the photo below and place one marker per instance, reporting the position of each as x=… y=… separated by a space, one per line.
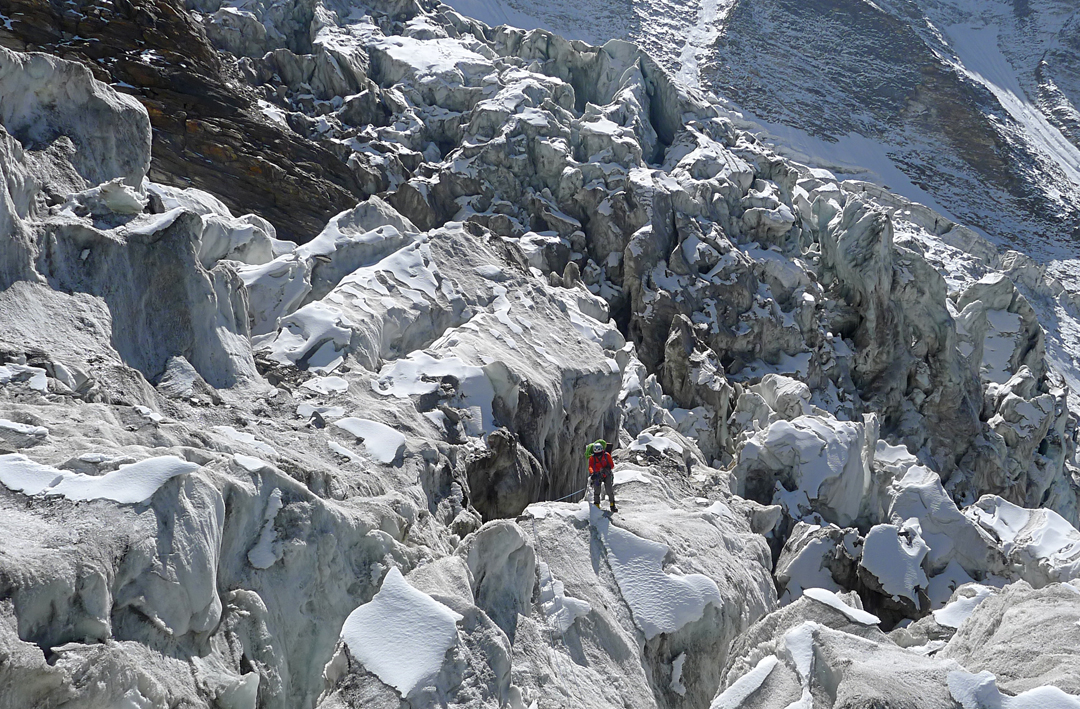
x=970 y=107
x=967 y=107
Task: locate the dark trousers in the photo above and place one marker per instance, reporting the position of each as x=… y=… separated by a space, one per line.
x=606 y=478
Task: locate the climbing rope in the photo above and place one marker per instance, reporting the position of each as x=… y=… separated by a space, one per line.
x=584 y=489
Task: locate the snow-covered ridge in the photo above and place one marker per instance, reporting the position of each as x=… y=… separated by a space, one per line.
x=241 y=473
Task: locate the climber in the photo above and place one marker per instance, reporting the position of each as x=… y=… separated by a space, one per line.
x=602 y=471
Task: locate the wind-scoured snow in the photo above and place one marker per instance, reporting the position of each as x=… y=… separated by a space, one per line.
x=660 y=602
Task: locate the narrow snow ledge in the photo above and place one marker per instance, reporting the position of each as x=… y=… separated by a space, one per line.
x=401 y=635
x=659 y=602
x=129 y=484
x=746 y=685
x=832 y=600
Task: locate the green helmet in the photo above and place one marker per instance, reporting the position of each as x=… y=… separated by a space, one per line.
x=590 y=448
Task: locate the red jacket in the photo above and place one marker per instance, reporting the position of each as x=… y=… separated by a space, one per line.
x=600 y=462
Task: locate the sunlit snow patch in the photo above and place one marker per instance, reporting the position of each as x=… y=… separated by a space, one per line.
x=34 y=376
x=22 y=430
x=894 y=556
x=809 y=570
x=380 y=441
x=825 y=459
x=570 y=510
x=676 y=684
x=129 y=484
x=799 y=642
x=954 y=614
x=980 y=691
x=660 y=444
x=246 y=438
x=401 y=635
x=250 y=464
x=326 y=385
x=266 y=551
x=306 y=411
x=419 y=374
x=627 y=473
x=740 y=689
x=436 y=56
x=659 y=602
x=1040 y=538
x=313 y=338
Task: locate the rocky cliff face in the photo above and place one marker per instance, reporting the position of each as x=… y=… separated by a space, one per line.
x=208 y=129
x=239 y=472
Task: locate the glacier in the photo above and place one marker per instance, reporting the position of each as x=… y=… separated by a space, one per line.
x=308 y=309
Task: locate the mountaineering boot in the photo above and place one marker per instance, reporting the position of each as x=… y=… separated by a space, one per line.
x=614 y=508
